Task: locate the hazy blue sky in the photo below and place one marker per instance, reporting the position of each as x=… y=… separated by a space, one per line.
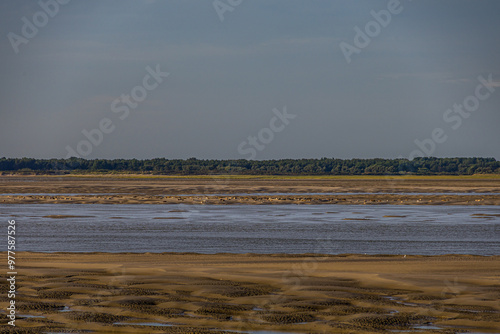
x=226 y=77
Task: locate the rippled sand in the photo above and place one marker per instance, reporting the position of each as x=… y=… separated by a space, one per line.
x=193 y=293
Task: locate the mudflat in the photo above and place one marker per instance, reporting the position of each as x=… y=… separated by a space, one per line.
x=123 y=189
x=195 y=293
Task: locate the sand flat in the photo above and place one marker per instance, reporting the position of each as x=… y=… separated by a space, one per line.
x=196 y=293
x=167 y=190
x=361 y=199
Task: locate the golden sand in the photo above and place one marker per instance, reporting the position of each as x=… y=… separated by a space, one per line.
x=194 y=293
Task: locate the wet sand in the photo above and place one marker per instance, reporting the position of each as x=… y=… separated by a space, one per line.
x=194 y=293
x=258 y=200
x=162 y=190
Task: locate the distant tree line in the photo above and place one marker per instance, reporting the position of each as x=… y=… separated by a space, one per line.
x=193 y=166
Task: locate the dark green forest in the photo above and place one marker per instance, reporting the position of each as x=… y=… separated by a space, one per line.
x=193 y=166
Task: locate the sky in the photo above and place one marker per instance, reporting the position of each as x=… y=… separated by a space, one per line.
x=249 y=79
